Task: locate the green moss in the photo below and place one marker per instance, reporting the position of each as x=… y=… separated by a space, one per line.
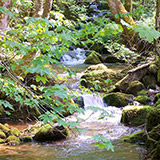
x=135 y=115
x=153 y=142
x=4 y=128
x=51 y=133
x=153 y=68
x=2 y=134
x=143 y=99
x=137 y=137
x=12 y=140
x=157 y=96
x=142 y=93
x=7 y=125
x=93 y=58
x=99 y=73
x=2 y=140
x=134 y=87
x=27 y=139
x=117 y=99
x=158 y=102
x=14 y=131
x=153 y=119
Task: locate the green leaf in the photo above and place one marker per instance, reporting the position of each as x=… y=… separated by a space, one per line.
x=146 y=32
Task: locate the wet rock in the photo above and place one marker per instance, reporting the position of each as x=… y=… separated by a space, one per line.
x=143 y=99
x=99 y=74
x=93 y=58
x=51 y=133
x=117 y=99
x=12 y=140
x=2 y=134
x=135 y=115
x=153 y=143
x=134 y=87
x=79 y=101
x=113 y=59
x=14 y=131
x=153 y=119
x=138 y=137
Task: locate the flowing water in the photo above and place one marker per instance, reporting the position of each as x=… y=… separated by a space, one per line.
x=81 y=147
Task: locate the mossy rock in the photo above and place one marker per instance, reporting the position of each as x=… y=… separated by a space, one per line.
x=27 y=139
x=12 y=140
x=153 y=119
x=153 y=143
x=2 y=134
x=4 y=128
x=134 y=87
x=99 y=73
x=143 y=99
x=93 y=58
x=14 y=131
x=138 y=137
x=157 y=96
x=142 y=93
x=117 y=99
x=135 y=115
x=2 y=141
x=113 y=59
x=149 y=81
x=51 y=133
x=158 y=102
x=153 y=69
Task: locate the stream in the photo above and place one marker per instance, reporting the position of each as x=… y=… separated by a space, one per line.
x=81 y=147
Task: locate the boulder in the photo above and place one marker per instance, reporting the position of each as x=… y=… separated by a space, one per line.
x=153 y=143
x=14 y=131
x=143 y=99
x=12 y=140
x=134 y=87
x=142 y=93
x=138 y=137
x=51 y=133
x=153 y=69
x=117 y=99
x=149 y=81
x=99 y=74
x=135 y=115
x=93 y=58
x=27 y=139
x=2 y=134
x=4 y=128
x=135 y=74
x=113 y=59
x=153 y=119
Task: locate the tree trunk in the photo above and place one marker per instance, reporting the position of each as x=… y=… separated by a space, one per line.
x=117 y=8
x=38 y=6
x=156 y=42
x=47 y=8
x=4 y=18
x=128 y=5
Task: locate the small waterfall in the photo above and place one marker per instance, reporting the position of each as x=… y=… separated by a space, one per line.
x=109 y=126
x=75 y=57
